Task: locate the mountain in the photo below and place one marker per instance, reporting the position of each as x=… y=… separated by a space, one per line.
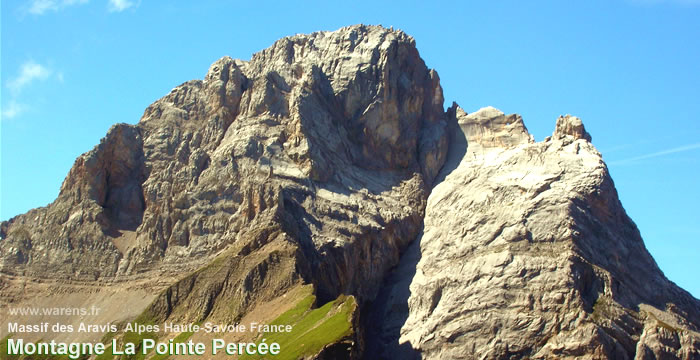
x=321 y=183
x=541 y=262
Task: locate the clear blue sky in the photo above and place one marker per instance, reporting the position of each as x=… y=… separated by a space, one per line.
x=629 y=68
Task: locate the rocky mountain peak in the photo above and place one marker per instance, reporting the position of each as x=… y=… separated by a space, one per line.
x=332 y=138
x=570 y=126
x=491 y=128
x=539 y=261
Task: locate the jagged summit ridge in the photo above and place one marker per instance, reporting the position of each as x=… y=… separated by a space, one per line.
x=570 y=126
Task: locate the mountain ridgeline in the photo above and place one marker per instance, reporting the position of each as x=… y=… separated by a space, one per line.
x=323 y=176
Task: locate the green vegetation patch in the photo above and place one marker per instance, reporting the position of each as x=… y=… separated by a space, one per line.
x=137 y=339
x=107 y=355
x=312 y=329
x=3 y=350
x=4 y=353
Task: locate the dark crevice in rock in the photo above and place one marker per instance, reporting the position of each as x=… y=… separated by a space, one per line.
x=387 y=314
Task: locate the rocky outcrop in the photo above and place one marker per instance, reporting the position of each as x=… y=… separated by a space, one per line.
x=490 y=128
x=539 y=260
x=570 y=126
x=313 y=163
x=330 y=141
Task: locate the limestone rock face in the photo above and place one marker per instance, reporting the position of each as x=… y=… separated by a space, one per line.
x=489 y=128
x=330 y=141
x=536 y=259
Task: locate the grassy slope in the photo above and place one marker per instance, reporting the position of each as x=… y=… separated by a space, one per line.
x=129 y=337
x=312 y=328
x=5 y=356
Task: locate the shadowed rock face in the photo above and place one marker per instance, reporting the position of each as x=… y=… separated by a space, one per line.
x=312 y=164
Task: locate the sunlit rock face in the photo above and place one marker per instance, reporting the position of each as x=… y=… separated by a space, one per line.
x=536 y=259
